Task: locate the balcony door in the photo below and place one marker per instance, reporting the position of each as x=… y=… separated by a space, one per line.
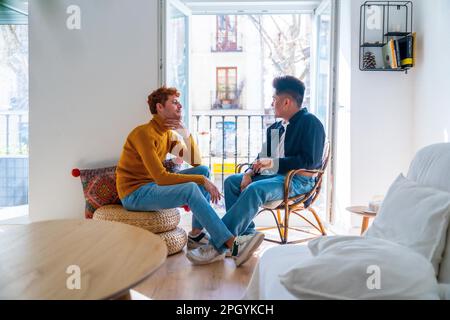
x=174 y=64
x=14 y=111
x=323 y=86
x=236 y=50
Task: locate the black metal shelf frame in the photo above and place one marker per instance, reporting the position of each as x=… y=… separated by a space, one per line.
x=387 y=7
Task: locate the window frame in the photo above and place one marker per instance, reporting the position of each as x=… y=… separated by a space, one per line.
x=227 y=82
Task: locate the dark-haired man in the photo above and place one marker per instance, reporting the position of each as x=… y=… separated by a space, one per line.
x=296 y=142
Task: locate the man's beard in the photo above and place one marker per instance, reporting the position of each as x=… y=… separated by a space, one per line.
x=177 y=116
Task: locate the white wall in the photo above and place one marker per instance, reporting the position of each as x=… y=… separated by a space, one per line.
x=393 y=115
x=374 y=124
x=432 y=83
x=88 y=89
x=381 y=107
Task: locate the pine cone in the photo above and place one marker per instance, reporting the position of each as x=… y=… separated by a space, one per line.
x=369 y=61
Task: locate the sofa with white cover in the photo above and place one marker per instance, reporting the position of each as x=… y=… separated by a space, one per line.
x=408 y=244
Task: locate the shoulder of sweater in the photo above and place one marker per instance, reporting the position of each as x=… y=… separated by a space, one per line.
x=145 y=129
x=143 y=133
x=138 y=129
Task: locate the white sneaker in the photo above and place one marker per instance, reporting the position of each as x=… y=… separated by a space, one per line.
x=244 y=246
x=197 y=241
x=228 y=252
x=204 y=255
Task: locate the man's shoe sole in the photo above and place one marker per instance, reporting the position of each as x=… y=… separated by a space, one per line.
x=199 y=263
x=250 y=248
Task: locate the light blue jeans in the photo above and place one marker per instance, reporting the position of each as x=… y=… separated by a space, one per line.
x=243 y=206
x=152 y=197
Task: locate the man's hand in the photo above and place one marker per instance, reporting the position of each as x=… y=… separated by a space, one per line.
x=246 y=181
x=261 y=164
x=174 y=124
x=213 y=191
x=178 y=126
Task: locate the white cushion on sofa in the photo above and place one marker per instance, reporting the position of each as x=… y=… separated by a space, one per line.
x=415 y=216
x=444 y=291
x=343 y=268
x=444 y=268
x=431 y=167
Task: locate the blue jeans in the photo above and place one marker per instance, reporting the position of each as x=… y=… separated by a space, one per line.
x=152 y=197
x=242 y=207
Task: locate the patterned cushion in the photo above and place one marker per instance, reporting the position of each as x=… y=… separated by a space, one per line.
x=99 y=186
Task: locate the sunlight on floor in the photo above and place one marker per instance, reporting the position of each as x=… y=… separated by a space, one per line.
x=14 y=215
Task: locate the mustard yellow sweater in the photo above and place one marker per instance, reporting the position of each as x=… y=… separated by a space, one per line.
x=143 y=153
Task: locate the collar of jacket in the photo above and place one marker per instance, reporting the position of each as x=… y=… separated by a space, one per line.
x=298 y=115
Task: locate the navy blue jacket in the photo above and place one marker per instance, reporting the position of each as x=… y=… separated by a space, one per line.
x=303 y=143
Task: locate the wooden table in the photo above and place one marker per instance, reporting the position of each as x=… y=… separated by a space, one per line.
x=48 y=260
x=365 y=212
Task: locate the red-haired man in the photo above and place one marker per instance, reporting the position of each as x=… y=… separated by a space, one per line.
x=145 y=185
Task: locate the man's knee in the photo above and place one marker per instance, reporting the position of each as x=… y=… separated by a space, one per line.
x=233 y=180
x=189 y=188
x=187 y=191
x=227 y=181
x=253 y=191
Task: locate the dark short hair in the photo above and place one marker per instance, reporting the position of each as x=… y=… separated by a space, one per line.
x=291 y=86
x=160 y=96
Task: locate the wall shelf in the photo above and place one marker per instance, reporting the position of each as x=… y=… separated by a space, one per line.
x=390 y=70
x=381 y=21
x=372 y=45
x=397 y=34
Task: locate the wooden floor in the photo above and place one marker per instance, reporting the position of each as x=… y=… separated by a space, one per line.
x=179 y=279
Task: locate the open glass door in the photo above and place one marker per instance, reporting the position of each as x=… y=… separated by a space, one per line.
x=175 y=57
x=323 y=95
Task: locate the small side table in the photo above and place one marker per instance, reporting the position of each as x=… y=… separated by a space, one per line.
x=365 y=213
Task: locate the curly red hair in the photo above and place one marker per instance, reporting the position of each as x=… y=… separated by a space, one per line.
x=160 y=96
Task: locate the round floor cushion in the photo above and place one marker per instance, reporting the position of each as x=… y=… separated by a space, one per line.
x=175 y=240
x=154 y=221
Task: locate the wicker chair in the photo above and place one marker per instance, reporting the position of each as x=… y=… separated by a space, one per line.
x=295 y=205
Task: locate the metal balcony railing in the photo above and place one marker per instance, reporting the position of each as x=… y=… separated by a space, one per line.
x=13 y=158
x=226 y=99
x=228 y=140
x=13 y=133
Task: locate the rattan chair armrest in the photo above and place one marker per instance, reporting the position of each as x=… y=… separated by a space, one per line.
x=287 y=185
x=288 y=180
x=307 y=171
